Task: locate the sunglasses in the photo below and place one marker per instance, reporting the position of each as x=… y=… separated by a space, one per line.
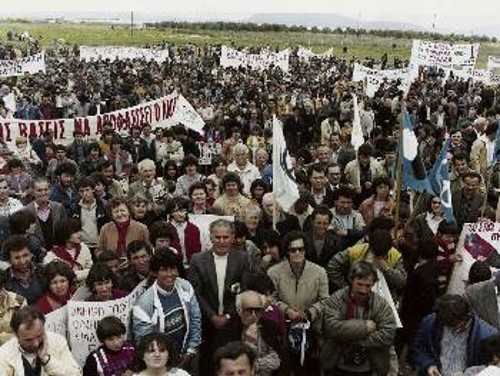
x=296 y=249
x=254 y=310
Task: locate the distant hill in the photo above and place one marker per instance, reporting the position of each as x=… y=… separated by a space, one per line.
x=330 y=20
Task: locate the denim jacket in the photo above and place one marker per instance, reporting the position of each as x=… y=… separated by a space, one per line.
x=148 y=316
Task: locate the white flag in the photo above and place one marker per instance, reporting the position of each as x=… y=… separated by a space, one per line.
x=187 y=115
x=284 y=187
x=357 y=138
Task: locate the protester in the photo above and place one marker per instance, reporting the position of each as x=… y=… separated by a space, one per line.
x=156 y=355
x=59 y=286
x=34 y=350
x=10 y=302
x=115 y=355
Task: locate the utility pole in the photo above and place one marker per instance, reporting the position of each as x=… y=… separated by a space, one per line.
x=132 y=23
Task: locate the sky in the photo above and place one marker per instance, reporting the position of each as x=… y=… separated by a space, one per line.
x=464 y=14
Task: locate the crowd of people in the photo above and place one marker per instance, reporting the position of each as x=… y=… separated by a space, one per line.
x=277 y=292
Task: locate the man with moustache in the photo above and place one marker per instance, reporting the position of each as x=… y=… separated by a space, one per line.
x=359 y=327
x=34 y=351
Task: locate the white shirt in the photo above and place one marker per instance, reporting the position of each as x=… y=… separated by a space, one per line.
x=220 y=270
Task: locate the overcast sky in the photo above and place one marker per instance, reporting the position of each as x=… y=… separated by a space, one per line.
x=449 y=13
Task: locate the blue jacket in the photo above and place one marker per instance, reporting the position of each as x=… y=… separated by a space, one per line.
x=57 y=194
x=428 y=342
x=148 y=317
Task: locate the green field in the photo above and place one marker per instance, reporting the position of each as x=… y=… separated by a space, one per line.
x=96 y=34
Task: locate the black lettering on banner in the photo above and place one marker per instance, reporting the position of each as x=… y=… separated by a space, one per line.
x=62 y=129
x=157 y=112
x=5 y=131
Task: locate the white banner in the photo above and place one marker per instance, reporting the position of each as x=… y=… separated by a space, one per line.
x=478 y=241
x=203 y=222
x=429 y=53
x=57 y=321
x=29 y=64
x=83 y=317
x=165 y=112
x=493 y=62
x=90 y=53
x=373 y=78
x=235 y=59
x=307 y=54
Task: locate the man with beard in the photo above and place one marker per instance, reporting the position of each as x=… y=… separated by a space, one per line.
x=35 y=351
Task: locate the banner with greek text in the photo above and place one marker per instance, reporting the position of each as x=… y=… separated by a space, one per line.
x=83 y=318
x=29 y=64
x=235 y=59
x=93 y=53
x=435 y=54
x=164 y=112
x=478 y=242
x=373 y=78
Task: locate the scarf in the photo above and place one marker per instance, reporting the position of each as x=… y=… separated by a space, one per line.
x=62 y=253
x=62 y=300
x=121 y=245
x=443 y=258
x=352 y=349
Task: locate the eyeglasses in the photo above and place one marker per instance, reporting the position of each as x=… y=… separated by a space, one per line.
x=254 y=310
x=296 y=249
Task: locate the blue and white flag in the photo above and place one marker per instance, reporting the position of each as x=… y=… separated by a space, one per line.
x=439 y=178
x=496 y=157
x=414 y=174
x=284 y=185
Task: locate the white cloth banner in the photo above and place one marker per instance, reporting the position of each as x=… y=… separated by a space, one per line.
x=373 y=78
x=306 y=54
x=91 y=53
x=57 y=321
x=164 y=112
x=203 y=222
x=235 y=59
x=382 y=289
x=29 y=64
x=478 y=241
x=83 y=317
x=493 y=62
x=429 y=53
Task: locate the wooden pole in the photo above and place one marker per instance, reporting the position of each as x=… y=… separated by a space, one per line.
x=131 y=23
x=399 y=175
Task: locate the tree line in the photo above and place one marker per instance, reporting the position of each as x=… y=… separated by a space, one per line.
x=267 y=27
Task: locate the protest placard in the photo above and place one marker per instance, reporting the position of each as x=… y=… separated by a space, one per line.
x=207 y=152
x=203 y=222
x=234 y=58
x=30 y=64
x=83 y=317
x=93 y=53
x=57 y=321
x=373 y=78
x=307 y=54
x=478 y=241
x=436 y=54
x=493 y=62
x=164 y=112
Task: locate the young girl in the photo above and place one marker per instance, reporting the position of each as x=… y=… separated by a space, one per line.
x=115 y=355
x=188 y=233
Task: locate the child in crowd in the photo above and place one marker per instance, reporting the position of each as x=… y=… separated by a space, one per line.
x=115 y=355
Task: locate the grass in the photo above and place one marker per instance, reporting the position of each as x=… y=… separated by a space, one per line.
x=98 y=34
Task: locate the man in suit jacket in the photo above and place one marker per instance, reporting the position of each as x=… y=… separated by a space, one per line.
x=216 y=277
x=148 y=186
x=47 y=212
x=482 y=297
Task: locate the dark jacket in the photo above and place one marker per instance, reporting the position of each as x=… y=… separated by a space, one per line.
x=427 y=344
x=57 y=194
x=331 y=246
x=339 y=330
x=100 y=212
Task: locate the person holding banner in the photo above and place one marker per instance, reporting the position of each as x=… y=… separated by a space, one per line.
x=59 y=285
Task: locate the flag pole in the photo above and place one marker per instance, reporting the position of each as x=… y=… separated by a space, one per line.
x=399 y=175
